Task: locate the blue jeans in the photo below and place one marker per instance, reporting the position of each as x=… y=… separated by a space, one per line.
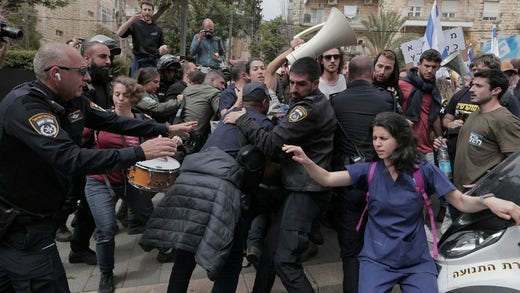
x=103 y=207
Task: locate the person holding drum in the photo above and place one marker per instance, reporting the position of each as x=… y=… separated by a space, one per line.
x=102 y=191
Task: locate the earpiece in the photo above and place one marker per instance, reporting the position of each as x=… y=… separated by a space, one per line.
x=57 y=75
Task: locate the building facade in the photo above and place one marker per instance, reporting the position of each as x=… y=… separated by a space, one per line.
x=475 y=17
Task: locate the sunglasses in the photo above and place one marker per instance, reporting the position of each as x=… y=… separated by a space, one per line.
x=83 y=70
x=329 y=57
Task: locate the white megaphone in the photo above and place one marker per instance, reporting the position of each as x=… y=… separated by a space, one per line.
x=455 y=62
x=335 y=32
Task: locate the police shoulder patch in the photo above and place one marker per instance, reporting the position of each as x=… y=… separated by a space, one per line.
x=45 y=124
x=297 y=113
x=95 y=106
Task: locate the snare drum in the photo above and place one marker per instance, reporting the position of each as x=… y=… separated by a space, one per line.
x=154 y=175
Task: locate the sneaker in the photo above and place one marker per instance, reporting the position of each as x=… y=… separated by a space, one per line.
x=253 y=254
x=310 y=252
x=166 y=256
x=86 y=256
x=106 y=282
x=63 y=234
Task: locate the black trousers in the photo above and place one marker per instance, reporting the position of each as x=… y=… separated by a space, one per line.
x=350 y=204
x=29 y=260
x=287 y=239
x=226 y=281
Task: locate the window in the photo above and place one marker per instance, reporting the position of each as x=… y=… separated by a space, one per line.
x=415 y=11
x=105 y=17
x=317 y=15
x=449 y=8
x=491 y=10
x=59 y=33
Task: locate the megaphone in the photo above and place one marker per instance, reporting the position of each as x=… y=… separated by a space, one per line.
x=455 y=62
x=335 y=32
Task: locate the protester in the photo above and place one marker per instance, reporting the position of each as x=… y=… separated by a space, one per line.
x=231 y=97
x=395 y=249
x=40 y=133
x=207 y=47
x=102 y=191
x=331 y=81
x=355 y=109
x=147 y=38
x=207 y=182
x=150 y=79
x=310 y=121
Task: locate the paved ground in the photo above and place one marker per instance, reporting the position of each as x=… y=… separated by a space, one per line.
x=138 y=271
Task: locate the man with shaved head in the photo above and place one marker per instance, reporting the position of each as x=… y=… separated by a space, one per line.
x=207 y=47
x=41 y=123
x=355 y=109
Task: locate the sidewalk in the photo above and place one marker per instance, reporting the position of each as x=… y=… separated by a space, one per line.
x=138 y=271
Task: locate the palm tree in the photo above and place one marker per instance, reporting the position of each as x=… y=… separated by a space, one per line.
x=382 y=30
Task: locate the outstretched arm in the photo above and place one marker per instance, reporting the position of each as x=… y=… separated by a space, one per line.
x=503 y=208
x=320 y=175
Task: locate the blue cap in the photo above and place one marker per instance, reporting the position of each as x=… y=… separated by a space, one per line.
x=254 y=91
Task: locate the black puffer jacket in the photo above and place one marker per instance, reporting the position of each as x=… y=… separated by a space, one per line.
x=200 y=211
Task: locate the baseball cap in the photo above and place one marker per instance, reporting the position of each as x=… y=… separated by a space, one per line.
x=254 y=91
x=506 y=65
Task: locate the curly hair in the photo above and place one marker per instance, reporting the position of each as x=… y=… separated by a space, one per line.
x=405 y=155
x=134 y=91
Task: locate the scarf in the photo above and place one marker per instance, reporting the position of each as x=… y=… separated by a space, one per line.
x=420 y=86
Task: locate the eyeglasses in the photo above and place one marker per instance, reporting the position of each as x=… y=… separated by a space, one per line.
x=328 y=57
x=83 y=70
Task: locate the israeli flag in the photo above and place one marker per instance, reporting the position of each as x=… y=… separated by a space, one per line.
x=494 y=42
x=433 y=36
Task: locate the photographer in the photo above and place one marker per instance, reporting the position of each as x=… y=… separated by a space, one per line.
x=207 y=47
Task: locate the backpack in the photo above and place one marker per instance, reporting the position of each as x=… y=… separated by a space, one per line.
x=417 y=176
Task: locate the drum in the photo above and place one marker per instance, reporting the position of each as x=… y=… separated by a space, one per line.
x=154 y=175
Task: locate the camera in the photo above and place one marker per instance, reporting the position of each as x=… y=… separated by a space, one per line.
x=12 y=33
x=208 y=34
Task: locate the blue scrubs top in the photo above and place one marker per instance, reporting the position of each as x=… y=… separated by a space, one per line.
x=394 y=234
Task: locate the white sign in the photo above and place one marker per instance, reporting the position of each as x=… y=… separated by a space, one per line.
x=453 y=38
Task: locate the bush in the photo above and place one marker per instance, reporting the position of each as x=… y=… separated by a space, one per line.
x=20 y=59
x=121 y=66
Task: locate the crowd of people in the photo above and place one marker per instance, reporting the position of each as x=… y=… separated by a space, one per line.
x=264 y=157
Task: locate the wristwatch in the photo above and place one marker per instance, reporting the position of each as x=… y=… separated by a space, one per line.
x=484 y=196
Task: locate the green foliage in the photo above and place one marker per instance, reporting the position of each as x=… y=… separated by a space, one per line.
x=272 y=39
x=9 y=6
x=383 y=29
x=121 y=66
x=20 y=59
x=31 y=38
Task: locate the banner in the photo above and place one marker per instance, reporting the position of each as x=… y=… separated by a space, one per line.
x=507 y=47
x=453 y=39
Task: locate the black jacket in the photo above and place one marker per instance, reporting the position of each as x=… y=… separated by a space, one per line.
x=39 y=145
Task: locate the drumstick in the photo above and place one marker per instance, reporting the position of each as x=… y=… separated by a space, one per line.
x=165 y=158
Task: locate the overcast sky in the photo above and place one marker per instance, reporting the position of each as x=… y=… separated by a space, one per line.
x=271 y=8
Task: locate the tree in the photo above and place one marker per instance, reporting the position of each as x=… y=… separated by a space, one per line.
x=383 y=30
x=271 y=41
x=9 y=6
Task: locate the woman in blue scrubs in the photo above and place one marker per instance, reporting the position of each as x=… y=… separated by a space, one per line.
x=395 y=249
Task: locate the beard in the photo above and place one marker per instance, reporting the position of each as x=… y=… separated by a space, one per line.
x=99 y=73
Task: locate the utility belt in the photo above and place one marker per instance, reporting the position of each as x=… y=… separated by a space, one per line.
x=11 y=218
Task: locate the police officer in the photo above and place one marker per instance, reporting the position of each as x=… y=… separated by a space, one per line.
x=311 y=122
x=355 y=109
x=40 y=129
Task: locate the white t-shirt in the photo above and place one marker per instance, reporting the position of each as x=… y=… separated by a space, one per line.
x=327 y=89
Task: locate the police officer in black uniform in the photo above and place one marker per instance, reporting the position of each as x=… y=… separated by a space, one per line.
x=40 y=129
x=355 y=109
x=310 y=122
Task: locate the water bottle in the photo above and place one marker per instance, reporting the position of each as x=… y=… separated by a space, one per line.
x=443 y=159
